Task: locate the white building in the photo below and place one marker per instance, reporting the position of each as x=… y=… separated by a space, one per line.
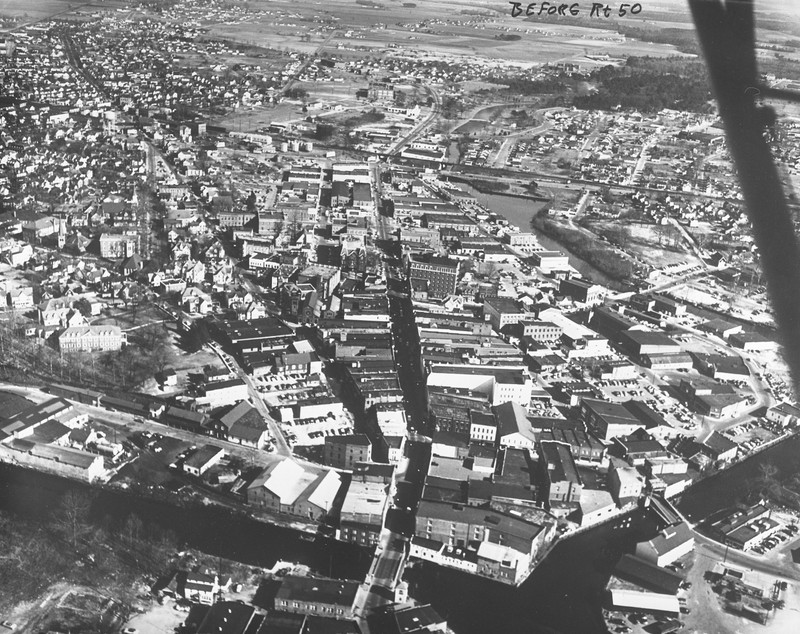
x=670 y=544
x=92 y=339
x=650 y=601
x=500 y=383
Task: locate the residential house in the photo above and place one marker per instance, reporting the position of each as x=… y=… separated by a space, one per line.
x=21 y=298
x=195 y=301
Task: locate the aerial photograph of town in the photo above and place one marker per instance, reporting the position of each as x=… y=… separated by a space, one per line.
x=398 y=317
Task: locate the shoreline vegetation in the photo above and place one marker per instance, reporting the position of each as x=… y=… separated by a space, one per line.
x=586 y=246
x=500 y=188
x=76 y=544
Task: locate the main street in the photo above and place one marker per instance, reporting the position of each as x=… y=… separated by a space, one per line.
x=391 y=553
x=386 y=571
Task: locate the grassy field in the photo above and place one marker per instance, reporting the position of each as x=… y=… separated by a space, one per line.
x=44 y=9
x=130 y=318
x=443 y=28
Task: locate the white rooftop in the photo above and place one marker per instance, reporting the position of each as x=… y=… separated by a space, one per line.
x=364 y=497
x=326 y=490
x=288 y=480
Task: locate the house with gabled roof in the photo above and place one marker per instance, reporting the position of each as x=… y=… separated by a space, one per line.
x=21 y=298
x=244 y=425
x=195 y=301
x=195 y=586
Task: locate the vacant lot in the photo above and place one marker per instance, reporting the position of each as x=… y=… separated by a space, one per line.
x=655 y=244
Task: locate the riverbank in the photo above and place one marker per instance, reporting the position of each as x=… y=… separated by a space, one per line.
x=195 y=500
x=498 y=188
x=235 y=534
x=520 y=212
x=732 y=485
x=588 y=247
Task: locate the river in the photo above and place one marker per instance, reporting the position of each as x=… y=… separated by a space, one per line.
x=730 y=487
x=212 y=530
x=564 y=594
x=520 y=212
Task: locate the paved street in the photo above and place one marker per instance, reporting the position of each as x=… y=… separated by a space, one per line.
x=281 y=446
x=391 y=553
x=423 y=125
x=762 y=394
x=126 y=425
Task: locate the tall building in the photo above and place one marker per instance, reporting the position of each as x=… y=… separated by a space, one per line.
x=343 y=452
x=560 y=483
x=381 y=92
x=440 y=274
x=7 y=46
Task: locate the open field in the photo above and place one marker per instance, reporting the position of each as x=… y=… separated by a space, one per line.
x=130 y=318
x=651 y=243
x=443 y=28
x=32 y=10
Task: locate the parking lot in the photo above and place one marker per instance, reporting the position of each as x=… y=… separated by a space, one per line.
x=781 y=536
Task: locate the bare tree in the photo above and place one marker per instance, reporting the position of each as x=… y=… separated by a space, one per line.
x=71 y=519
x=132 y=529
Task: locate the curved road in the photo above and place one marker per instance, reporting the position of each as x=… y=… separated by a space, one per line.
x=422 y=125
